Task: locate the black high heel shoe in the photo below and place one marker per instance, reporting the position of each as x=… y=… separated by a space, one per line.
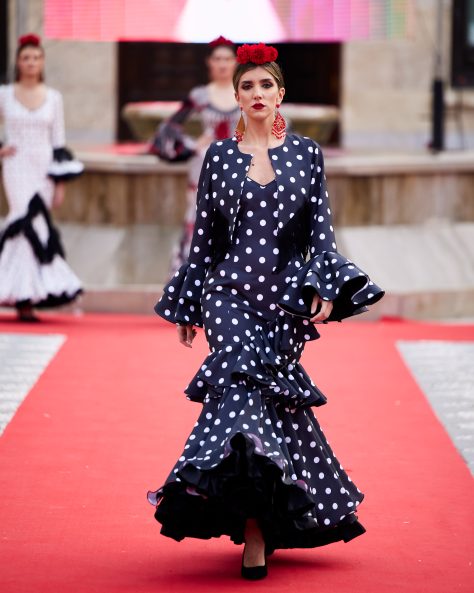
x=253 y=573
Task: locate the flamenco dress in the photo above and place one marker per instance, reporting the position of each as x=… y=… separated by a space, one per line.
x=171 y=144
x=33 y=270
x=257 y=449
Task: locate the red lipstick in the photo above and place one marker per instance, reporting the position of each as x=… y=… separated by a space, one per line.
x=258 y=106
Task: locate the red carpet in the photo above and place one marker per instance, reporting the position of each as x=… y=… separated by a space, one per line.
x=107 y=420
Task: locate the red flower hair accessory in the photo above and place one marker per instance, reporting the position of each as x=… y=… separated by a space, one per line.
x=220 y=41
x=29 y=39
x=257 y=54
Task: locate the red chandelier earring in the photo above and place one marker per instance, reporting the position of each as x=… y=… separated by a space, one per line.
x=279 y=125
x=240 y=129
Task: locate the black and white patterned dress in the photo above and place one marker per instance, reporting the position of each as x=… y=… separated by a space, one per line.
x=33 y=270
x=216 y=124
x=257 y=449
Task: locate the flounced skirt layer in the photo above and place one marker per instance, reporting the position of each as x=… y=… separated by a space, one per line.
x=33 y=270
x=258 y=451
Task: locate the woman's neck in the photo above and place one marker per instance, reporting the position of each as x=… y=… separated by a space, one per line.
x=29 y=82
x=259 y=134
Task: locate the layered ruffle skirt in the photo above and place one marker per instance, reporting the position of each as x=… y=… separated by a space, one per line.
x=257 y=449
x=33 y=270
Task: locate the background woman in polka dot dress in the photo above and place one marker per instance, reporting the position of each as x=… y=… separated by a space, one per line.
x=263 y=268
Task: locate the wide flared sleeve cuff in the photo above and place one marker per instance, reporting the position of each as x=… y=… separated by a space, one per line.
x=181 y=300
x=334 y=278
x=171 y=144
x=64 y=165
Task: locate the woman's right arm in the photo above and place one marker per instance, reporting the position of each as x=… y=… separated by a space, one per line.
x=181 y=300
x=5 y=150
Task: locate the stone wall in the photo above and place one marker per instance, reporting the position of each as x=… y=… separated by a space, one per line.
x=387 y=88
x=125 y=190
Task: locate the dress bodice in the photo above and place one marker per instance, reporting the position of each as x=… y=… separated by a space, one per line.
x=32 y=130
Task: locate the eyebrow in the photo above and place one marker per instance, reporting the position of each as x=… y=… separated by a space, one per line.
x=261 y=80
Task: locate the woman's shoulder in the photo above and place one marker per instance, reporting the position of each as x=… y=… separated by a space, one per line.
x=53 y=94
x=222 y=146
x=304 y=142
x=5 y=88
x=6 y=95
x=199 y=95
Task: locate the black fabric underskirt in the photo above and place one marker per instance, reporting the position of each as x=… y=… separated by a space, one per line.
x=51 y=301
x=211 y=503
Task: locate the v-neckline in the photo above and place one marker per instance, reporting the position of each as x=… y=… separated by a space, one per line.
x=45 y=100
x=261 y=185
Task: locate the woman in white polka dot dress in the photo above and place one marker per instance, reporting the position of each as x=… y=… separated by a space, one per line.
x=35 y=163
x=257 y=467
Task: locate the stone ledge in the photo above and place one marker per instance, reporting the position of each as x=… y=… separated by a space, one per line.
x=134 y=159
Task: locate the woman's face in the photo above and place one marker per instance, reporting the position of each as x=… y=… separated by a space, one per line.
x=221 y=64
x=258 y=94
x=30 y=62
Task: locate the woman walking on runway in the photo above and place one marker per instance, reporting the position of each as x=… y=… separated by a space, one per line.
x=218 y=112
x=263 y=268
x=35 y=163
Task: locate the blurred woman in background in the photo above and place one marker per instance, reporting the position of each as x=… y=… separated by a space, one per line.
x=35 y=163
x=218 y=111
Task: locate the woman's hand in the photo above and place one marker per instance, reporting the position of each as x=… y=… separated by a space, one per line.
x=186 y=335
x=324 y=311
x=7 y=151
x=58 y=197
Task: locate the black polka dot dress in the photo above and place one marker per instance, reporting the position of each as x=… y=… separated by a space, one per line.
x=256 y=449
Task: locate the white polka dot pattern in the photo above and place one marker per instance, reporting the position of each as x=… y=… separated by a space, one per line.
x=256 y=396
x=220 y=201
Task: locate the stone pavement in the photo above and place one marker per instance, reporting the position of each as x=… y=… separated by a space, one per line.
x=445 y=373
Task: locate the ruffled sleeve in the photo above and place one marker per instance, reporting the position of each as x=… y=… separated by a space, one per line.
x=170 y=143
x=181 y=300
x=334 y=278
x=64 y=165
x=327 y=273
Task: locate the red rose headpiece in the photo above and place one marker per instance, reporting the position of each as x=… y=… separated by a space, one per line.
x=257 y=54
x=220 y=41
x=29 y=39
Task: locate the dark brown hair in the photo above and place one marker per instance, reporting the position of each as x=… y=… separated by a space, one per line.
x=271 y=67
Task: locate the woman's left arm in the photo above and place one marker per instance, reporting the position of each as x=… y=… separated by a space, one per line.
x=58 y=135
x=63 y=166
x=322 y=237
x=329 y=286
